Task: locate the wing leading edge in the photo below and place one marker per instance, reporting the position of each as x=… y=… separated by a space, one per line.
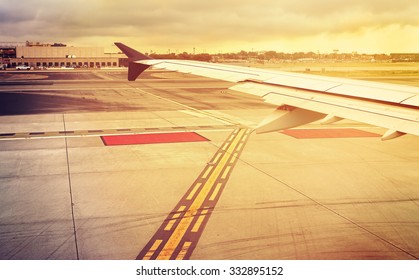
x=303 y=98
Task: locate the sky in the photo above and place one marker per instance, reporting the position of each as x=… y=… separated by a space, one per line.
x=364 y=26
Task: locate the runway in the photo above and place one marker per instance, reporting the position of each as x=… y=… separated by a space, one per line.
x=65 y=194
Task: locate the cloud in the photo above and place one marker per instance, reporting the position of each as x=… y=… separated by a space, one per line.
x=180 y=23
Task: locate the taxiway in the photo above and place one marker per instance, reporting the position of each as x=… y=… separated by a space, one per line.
x=64 y=194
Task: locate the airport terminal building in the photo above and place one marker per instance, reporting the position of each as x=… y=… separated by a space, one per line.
x=57 y=55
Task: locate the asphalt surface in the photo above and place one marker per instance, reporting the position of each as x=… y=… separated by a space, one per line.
x=64 y=194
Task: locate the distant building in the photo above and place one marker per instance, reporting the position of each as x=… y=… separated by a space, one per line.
x=405 y=57
x=56 y=55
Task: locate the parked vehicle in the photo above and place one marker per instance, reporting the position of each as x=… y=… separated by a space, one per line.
x=23 y=67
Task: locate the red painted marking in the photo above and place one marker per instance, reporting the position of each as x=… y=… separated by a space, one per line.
x=328 y=133
x=152 y=138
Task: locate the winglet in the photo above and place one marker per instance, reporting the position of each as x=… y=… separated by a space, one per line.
x=131 y=53
x=135 y=67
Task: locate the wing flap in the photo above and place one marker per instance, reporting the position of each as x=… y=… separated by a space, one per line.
x=252 y=88
x=298 y=82
x=389 y=116
x=347 y=87
x=370 y=92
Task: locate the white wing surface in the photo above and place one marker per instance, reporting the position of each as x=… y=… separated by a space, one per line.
x=303 y=98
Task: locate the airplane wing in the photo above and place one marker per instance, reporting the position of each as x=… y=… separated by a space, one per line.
x=304 y=98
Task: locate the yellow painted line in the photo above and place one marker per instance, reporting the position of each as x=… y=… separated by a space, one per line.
x=228 y=168
x=192 y=193
x=217 y=157
x=174 y=217
x=176 y=236
x=153 y=249
x=209 y=169
x=234 y=157
x=198 y=223
x=240 y=146
x=225 y=146
x=215 y=192
x=186 y=221
x=184 y=250
x=169 y=225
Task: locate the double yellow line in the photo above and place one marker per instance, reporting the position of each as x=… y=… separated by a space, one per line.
x=197 y=208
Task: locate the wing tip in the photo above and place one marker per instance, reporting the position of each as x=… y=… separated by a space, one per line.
x=131 y=53
x=134 y=68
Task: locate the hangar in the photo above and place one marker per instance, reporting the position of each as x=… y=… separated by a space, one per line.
x=56 y=55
